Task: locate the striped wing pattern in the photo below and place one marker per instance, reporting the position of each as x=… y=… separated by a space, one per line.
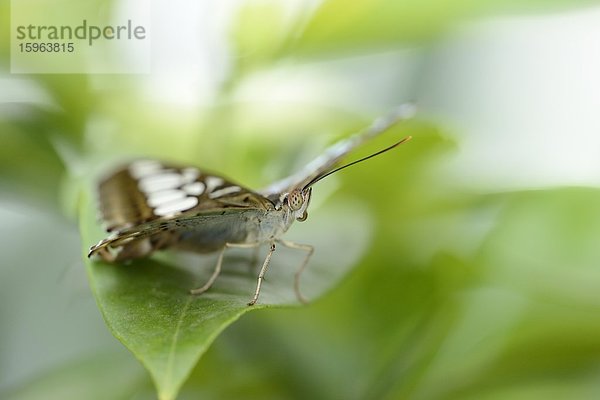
x=151 y=200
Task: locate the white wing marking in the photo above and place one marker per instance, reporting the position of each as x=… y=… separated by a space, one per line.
x=163 y=181
x=224 y=191
x=165 y=196
x=194 y=189
x=176 y=206
x=213 y=182
x=141 y=168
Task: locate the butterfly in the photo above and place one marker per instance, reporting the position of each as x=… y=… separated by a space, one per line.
x=148 y=205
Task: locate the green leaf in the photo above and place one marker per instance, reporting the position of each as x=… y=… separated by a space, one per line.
x=147 y=305
x=255 y=41
x=531 y=314
x=367 y=25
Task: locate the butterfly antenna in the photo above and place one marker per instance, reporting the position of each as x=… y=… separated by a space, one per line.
x=318 y=178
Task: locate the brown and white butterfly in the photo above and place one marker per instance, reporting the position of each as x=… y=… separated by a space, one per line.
x=148 y=205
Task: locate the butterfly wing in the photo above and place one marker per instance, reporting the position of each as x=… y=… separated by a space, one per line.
x=147 y=204
x=334 y=154
x=141 y=240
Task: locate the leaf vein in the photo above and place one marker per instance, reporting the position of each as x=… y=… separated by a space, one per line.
x=171 y=357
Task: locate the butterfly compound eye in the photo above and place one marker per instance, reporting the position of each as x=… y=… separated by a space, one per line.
x=295 y=200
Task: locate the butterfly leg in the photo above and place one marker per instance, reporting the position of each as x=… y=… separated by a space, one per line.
x=217 y=270
x=309 y=252
x=261 y=275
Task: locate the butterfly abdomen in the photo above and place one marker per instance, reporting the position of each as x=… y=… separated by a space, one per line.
x=234 y=227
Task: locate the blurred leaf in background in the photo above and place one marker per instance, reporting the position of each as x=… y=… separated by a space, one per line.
x=480 y=278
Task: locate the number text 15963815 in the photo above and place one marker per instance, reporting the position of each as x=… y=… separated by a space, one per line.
x=34 y=47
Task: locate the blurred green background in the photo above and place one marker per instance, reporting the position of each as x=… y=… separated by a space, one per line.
x=482 y=276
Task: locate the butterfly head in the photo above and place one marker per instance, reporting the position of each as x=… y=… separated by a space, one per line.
x=297 y=201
